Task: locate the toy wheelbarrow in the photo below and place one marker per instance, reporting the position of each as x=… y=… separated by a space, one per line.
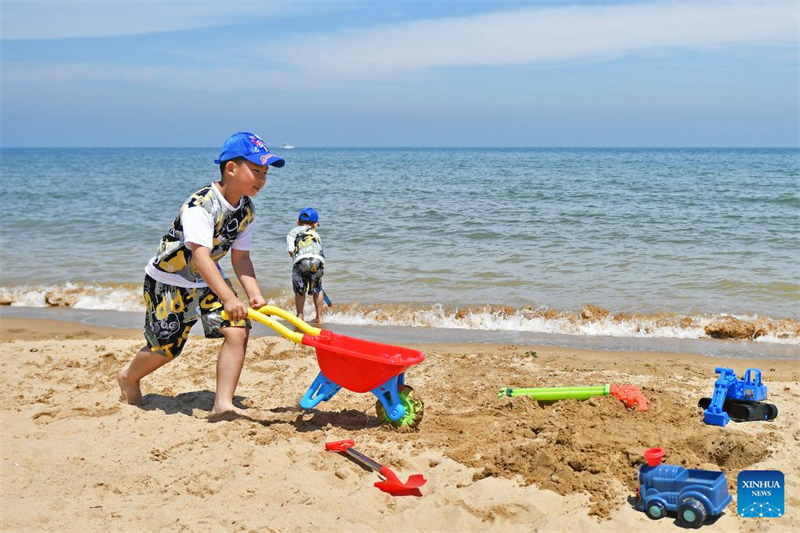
x=355 y=364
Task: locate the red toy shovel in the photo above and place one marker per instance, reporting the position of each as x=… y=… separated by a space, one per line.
x=391 y=482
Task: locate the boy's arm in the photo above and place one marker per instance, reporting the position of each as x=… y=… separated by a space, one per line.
x=243 y=267
x=234 y=307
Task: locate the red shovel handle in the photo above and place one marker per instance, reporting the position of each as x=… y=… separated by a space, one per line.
x=339 y=445
x=348 y=447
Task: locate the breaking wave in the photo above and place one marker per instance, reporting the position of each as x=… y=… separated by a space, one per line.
x=124 y=297
x=590 y=321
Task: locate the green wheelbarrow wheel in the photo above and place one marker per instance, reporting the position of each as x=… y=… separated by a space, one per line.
x=415 y=408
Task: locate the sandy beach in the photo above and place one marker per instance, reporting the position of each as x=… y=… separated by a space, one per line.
x=74 y=458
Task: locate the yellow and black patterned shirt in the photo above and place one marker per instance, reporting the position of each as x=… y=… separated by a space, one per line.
x=207 y=219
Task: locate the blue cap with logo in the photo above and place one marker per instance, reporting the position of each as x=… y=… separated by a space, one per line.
x=251 y=147
x=309 y=214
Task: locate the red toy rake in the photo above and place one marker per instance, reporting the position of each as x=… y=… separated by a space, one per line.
x=391 y=482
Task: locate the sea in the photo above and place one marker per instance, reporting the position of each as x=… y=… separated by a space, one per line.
x=617 y=248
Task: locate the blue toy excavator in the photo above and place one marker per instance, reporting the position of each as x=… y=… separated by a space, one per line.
x=737 y=399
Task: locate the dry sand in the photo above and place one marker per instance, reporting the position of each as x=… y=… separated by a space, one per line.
x=76 y=459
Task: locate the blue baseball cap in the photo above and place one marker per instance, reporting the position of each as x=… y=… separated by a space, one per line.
x=309 y=214
x=251 y=147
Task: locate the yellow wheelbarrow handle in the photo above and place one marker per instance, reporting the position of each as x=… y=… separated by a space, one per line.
x=262 y=316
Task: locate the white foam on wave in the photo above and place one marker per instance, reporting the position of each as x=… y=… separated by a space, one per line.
x=563 y=324
x=437 y=318
x=117 y=299
x=772 y=338
x=486 y=318
x=77 y=296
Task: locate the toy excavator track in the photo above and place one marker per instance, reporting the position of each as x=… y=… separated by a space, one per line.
x=742 y=411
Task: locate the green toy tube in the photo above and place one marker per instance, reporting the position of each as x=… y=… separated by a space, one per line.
x=557 y=393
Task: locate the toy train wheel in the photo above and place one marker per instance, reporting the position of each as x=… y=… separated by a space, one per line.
x=415 y=408
x=655 y=510
x=692 y=513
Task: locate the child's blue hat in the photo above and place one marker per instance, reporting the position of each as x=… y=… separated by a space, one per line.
x=251 y=147
x=309 y=214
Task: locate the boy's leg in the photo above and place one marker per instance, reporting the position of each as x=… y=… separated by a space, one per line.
x=299 y=304
x=231 y=354
x=143 y=364
x=318 y=306
x=316 y=291
x=166 y=328
x=229 y=368
x=299 y=289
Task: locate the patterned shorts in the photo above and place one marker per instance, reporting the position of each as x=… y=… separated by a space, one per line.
x=307 y=276
x=172 y=311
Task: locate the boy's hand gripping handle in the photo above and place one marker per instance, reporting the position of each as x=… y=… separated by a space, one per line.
x=262 y=316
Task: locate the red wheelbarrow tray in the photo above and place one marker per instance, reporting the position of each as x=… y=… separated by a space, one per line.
x=359 y=365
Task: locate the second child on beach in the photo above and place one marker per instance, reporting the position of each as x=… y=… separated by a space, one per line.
x=184 y=282
x=305 y=248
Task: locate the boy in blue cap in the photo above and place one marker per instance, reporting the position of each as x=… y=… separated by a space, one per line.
x=184 y=281
x=305 y=248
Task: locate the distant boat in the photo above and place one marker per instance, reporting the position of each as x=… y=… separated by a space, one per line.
x=287 y=146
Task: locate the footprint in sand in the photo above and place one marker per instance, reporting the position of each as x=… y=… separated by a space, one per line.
x=48 y=415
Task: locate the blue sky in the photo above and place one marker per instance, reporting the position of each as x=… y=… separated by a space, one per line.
x=400 y=73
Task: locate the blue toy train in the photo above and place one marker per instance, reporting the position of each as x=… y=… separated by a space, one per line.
x=693 y=494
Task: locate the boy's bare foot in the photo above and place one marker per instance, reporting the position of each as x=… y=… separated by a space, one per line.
x=222 y=409
x=317 y=321
x=131 y=393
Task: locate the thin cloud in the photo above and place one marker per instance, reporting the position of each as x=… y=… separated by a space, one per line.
x=70 y=19
x=519 y=37
x=212 y=79
x=540 y=35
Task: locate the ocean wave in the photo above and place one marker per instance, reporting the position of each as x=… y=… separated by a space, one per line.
x=590 y=321
x=125 y=297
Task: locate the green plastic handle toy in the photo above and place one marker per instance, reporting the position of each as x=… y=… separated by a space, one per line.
x=630 y=396
x=557 y=393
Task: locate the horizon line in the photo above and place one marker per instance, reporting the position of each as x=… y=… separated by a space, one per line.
x=430 y=147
